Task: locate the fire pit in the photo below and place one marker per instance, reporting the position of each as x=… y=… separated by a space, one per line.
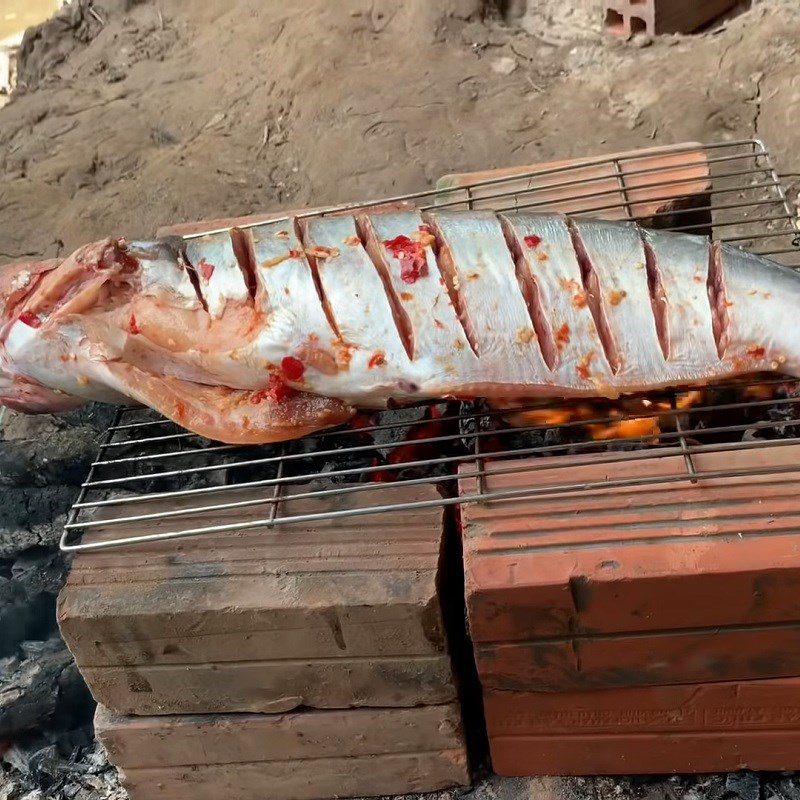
x=214 y=579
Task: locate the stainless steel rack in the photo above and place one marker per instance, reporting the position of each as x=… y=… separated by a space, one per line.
x=153 y=482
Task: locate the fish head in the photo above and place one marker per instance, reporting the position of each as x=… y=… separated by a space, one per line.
x=39 y=302
x=30 y=397
x=17 y=283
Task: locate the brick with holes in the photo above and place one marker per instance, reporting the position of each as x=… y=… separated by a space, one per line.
x=332 y=613
x=648 y=580
x=627 y=17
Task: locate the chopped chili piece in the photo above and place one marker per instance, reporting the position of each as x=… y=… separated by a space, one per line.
x=533 y=241
x=562 y=336
x=295 y=253
x=277 y=390
x=378 y=359
x=756 y=352
x=133 y=326
x=411 y=255
x=30 y=319
x=205 y=269
x=583 y=366
x=292 y=368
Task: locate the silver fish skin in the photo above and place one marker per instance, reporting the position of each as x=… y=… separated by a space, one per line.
x=268 y=333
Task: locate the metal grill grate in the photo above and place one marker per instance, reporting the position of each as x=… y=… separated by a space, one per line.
x=153 y=481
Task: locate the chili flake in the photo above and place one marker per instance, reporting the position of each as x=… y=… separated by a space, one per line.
x=533 y=241
x=30 y=319
x=425 y=236
x=292 y=368
x=579 y=300
x=582 y=367
x=322 y=252
x=277 y=390
x=133 y=326
x=562 y=336
x=273 y=262
x=378 y=359
x=205 y=269
x=525 y=335
x=411 y=255
x=616 y=297
x=755 y=351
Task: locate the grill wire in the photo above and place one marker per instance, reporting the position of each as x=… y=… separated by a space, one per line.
x=153 y=481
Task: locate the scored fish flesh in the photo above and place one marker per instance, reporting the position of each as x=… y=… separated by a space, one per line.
x=271 y=332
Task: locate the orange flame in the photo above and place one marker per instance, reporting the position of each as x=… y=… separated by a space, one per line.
x=630 y=418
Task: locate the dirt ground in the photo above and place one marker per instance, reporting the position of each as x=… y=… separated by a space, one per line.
x=138 y=113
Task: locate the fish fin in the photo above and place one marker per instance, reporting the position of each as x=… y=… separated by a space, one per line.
x=233 y=416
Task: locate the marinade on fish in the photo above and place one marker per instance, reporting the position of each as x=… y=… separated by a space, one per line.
x=271 y=332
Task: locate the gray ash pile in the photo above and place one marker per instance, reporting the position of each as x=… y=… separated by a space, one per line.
x=45 y=707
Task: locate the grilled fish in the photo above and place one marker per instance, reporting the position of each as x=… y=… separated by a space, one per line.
x=271 y=332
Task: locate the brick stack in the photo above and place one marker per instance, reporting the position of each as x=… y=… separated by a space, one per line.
x=642 y=628
x=303 y=661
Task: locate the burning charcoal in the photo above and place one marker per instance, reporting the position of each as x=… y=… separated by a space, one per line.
x=401 y=420
x=333 y=454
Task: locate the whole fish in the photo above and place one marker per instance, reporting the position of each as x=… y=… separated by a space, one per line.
x=271 y=332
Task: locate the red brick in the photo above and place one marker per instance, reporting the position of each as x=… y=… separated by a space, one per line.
x=656 y=729
x=338 y=613
x=655 y=17
x=637 y=185
x=651 y=584
x=651 y=180
x=299 y=756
